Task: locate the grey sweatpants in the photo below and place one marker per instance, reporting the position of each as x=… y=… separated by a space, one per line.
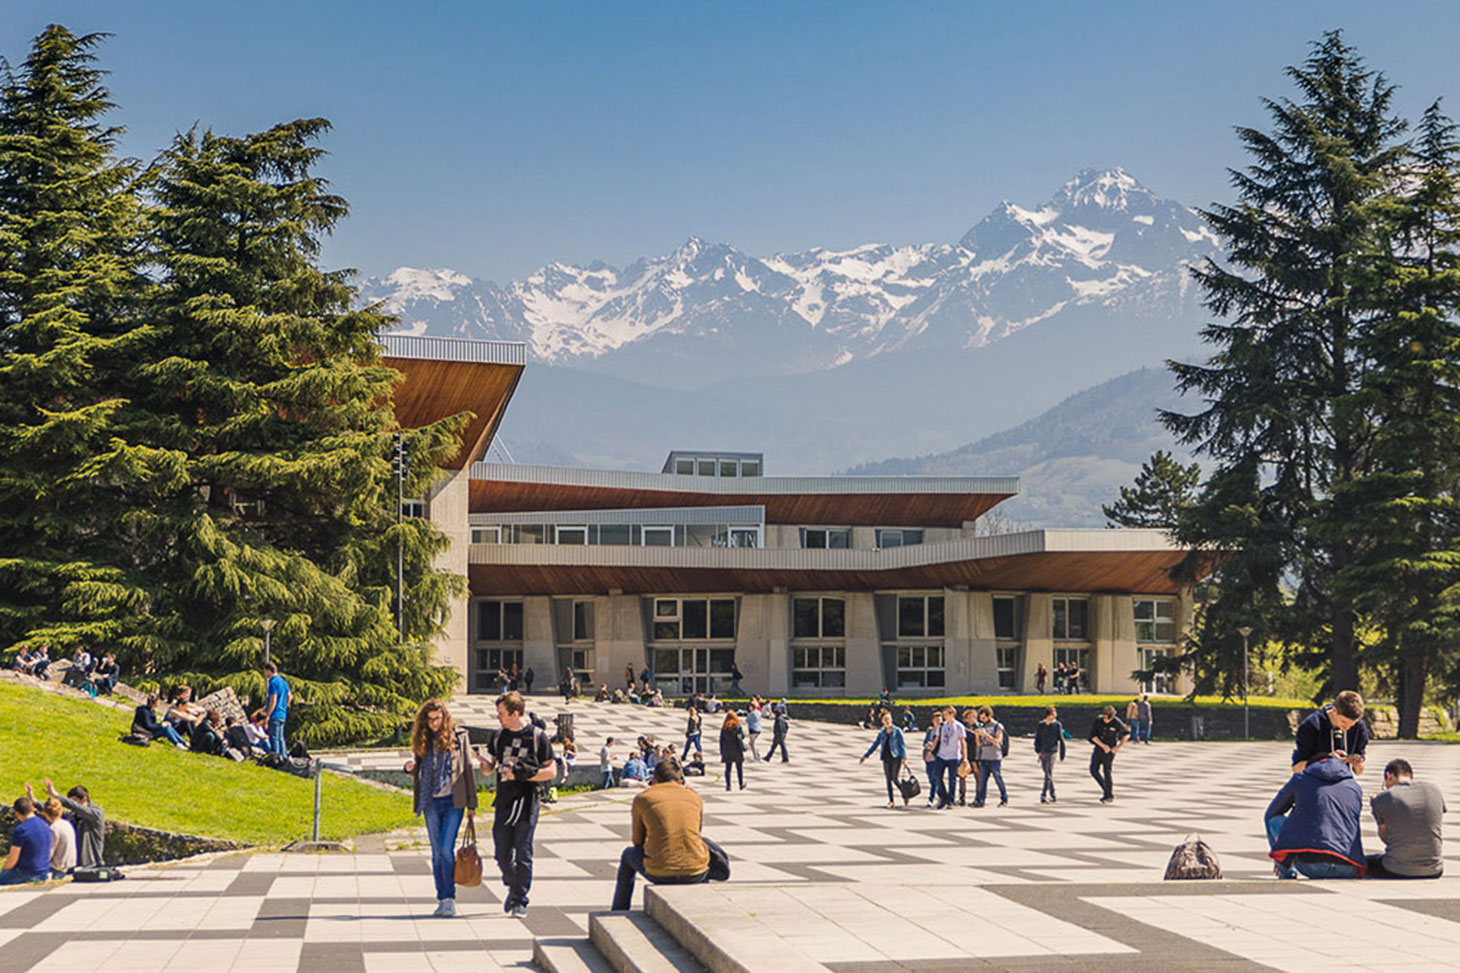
x=1046 y=761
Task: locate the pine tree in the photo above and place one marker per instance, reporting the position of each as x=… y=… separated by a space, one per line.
x=1163 y=490
x=1282 y=385
x=1404 y=507
x=265 y=379
x=70 y=289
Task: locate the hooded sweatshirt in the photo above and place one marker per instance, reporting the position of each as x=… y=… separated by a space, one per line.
x=1323 y=805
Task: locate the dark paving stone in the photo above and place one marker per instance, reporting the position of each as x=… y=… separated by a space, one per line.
x=251 y=883
x=228 y=863
x=549 y=921
x=280 y=919
x=410 y=865
x=1439 y=908
x=37 y=910
x=446 y=945
x=29 y=950
x=333 y=957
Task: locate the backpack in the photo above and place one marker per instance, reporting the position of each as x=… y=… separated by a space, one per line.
x=96 y=873
x=136 y=739
x=1193 y=858
x=1004 y=740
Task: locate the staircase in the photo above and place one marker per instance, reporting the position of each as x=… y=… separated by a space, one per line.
x=682 y=929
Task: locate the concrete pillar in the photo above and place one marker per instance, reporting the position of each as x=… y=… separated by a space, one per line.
x=775 y=637
x=864 y=647
x=959 y=674
x=1114 y=644
x=539 y=648
x=864 y=538
x=1038 y=638
x=619 y=638
x=753 y=634
x=983 y=653
x=449 y=509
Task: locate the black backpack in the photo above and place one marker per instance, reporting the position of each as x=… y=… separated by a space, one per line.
x=1004 y=740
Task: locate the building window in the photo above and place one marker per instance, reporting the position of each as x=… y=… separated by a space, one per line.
x=684 y=467
x=1155 y=620
x=1007 y=657
x=413 y=508
x=1072 y=619
x=750 y=467
x=920 y=667
x=1160 y=682
x=818 y=618
x=678 y=619
x=824 y=537
x=1008 y=618
x=576 y=535
x=499 y=621
x=898 y=537
x=818 y=667
x=920 y=616
x=1069 y=654
x=486 y=535
x=490 y=662
x=658 y=536
x=690 y=669
x=705 y=467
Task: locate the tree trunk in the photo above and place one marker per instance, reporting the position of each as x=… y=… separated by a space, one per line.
x=1410 y=697
x=1343 y=664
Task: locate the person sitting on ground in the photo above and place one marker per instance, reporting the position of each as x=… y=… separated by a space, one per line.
x=40 y=663
x=256 y=729
x=24 y=661
x=106 y=674
x=1408 y=815
x=1313 y=822
x=909 y=721
x=182 y=712
x=145 y=723
x=63 y=839
x=696 y=765
x=713 y=704
x=567 y=759
x=88 y=819
x=634 y=772
x=603 y=695
x=30 y=847
x=1337 y=729
x=236 y=738
x=208 y=735
x=81 y=665
x=657 y=700
x=619 y=696
x=667 y=847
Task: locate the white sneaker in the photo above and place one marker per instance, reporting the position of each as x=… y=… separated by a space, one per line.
x=440 y=908
x=448 y=908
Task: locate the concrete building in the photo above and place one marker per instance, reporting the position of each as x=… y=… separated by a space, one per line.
x=818 y=586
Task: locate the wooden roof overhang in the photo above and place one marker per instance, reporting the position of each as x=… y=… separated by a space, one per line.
x=446 y=376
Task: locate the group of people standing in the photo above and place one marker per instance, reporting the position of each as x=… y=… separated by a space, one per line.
x=1067 y=677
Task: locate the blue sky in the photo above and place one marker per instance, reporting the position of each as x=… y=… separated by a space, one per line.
x=493 y=138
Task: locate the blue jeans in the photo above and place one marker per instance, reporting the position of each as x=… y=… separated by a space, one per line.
x=14 y=876
x=692 y=738
x=276 y=738
x=947 y=780
x=171 y=734
x=1333 y=868
x=607 y=776
x=987 y=769
x=443 y=821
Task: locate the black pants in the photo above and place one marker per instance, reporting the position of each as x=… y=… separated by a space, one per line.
x=513 y=828
x=739 y=766
x=1102 y=766
x=890 y=770
x=630 y=865
x=779 y=740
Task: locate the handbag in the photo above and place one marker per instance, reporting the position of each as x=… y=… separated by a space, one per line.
x=468 y=862
x=1193 y=858
x=964 y=768
x=909 y=788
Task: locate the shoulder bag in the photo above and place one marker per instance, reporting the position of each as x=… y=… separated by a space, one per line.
x=468 y=862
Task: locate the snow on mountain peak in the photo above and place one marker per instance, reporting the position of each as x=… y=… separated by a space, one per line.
x=1108 y=189
x=413 y=284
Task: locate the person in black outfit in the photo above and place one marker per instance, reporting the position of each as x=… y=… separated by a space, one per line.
x=528 y=678
x=732 y=749
x=1338 y=729
x=1108 y=734
x=208 y=735
x=106 y=673
x=1049 y=743
x=523 y=757
x=778 y=737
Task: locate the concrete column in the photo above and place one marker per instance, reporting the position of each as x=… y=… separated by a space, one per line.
x=539 y=649
x=1115 y=645
x=619 y=638
x=984 y=665
x=864 y=647
x=1038 y=638
x=753 y=639
x=959 y=674
x=775 y=639
x=449 y=509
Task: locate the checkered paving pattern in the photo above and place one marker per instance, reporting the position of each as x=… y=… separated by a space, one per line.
x=1074 y=881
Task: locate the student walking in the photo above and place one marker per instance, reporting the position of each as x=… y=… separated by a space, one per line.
x=605 y=762
x=1041 y=677
x=691 y=733
x=752 y=727
x=930 y=756
x=522 y=757
x=1049 y=741
x=444 y=789
x=952 y=752
x=893 y=748
x=1144 y=713
x=779 y=729
x=732 y=749
x=735 y=676
x=988 y=735
x=1108 y=734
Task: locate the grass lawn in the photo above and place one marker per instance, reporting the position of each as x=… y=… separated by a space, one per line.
x=75 y=742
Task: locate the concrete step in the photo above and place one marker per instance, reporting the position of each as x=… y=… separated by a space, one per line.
x=634 y=943
x=722 y=936
x=568 y=956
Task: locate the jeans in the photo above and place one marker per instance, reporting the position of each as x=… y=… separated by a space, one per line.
x=512 y=832
x=171 y=734
x=890 y=770
x=739 y=766
x=1333 y=868
x=630 y=865
x=276 y=737
x=1146 y=731
x=691 y=741
x=14 y=876
x=1046 y=763
x=1102 y=768
x=779 y=740
x=934 y=773
x=947 y=782
x=735 y=689
x=752 y=737
x=607 y=777
x=443 y=822
x=987 y=769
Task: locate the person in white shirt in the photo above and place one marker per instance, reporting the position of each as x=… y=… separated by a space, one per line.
x=63 y=839
x=605 y=762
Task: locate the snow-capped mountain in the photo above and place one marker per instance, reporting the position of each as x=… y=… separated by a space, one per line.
x=1102 y=242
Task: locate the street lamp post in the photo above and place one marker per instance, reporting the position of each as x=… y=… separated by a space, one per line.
x=267 y=625
x=402 y=464
x=1245 y=631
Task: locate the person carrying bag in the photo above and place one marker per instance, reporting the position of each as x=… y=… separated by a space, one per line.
x=468 y=862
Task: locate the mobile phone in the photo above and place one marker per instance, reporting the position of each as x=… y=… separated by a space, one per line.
x=1339 y=741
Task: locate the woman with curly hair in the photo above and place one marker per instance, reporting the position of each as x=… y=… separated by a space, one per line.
x=445 y=788
x=732 y=749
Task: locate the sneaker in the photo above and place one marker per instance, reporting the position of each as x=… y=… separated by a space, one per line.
x=519 y=911
x=1051 y=799
x=448 y=908
x=1003 y=803
x=1043 y=801
x=509 y=904
x=1107 y=800
x=440 y=909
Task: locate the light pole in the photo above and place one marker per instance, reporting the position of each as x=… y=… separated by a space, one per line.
x=267 y=625
x=1245 y=631
x=402 y=465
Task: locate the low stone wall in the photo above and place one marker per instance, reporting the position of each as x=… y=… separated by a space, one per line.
x=130 y=844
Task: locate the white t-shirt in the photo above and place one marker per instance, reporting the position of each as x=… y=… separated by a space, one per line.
x=63 y=846
x=605 y=758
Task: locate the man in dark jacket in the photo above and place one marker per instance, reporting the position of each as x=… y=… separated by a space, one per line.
x=1049 y=742
x=90 y=823
x=1107 y=734
x=1337 y=729
x=1313 y=823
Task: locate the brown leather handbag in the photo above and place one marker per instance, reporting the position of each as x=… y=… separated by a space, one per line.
x=468 y=862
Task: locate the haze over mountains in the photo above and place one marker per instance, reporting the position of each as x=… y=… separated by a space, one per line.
x=825 y=359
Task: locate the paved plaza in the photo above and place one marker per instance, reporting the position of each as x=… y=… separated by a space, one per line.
x=820 y=869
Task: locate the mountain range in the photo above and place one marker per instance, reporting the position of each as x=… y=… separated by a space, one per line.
x=823 y=358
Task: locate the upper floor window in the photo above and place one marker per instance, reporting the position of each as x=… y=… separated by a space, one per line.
x=1072 y=619
x=818 y=618
x=821 y=537
x=694 y=618
x=1155 y=620
x=920 y=616
x=898 y=537
x=1008 y=618
x=499 y=621
x=413 y=508
x=486 y=535
x=582 y=621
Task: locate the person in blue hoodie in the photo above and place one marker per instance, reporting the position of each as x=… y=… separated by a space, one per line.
x=894 y=754
x=1313 y=822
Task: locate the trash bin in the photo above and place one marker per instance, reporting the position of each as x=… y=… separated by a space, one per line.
x=1198 y=727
